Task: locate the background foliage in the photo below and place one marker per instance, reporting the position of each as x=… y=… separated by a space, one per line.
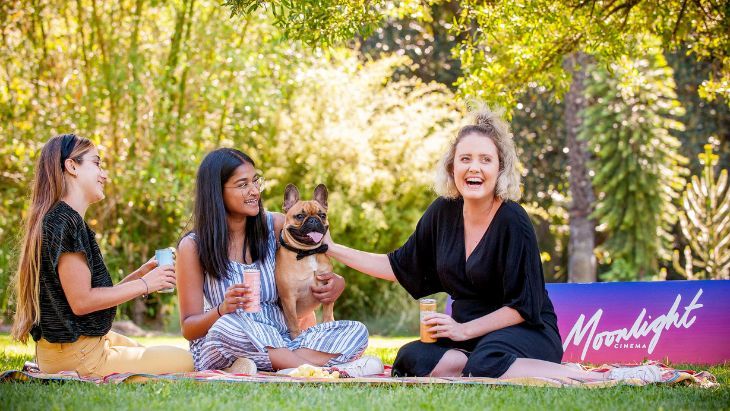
x=159 y=85
x=363 y=96
x=629 y=124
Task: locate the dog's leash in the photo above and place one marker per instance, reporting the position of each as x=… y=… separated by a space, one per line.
x=302 y=253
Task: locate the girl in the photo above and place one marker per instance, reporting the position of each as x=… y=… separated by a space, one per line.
x=232 y=232
x=65 y=296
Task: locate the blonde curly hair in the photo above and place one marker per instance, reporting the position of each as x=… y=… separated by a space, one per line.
x=488 y=123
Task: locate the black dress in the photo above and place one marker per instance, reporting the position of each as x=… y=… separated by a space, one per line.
x=503 y=270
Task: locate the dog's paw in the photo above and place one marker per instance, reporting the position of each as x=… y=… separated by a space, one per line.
x=294 y=334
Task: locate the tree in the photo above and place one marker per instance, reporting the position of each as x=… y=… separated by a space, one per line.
x=373 y=141
x=511 y=44
x=539 y=133
x=142 y=80
x=318 y=22
x=581 y=258
x=426 y=39
x=638 y=170
x=185 y=80
x=705 y=223
x=547 y=42
x=702 y=118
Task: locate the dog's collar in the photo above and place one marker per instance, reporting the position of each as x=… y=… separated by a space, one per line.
x=302 y=253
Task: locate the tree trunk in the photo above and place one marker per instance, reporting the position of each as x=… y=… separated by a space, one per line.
x=581 y=260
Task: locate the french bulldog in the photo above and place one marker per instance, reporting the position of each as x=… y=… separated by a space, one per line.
x=301 y=257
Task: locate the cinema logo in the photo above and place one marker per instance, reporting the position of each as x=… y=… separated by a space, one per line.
x=626 y=338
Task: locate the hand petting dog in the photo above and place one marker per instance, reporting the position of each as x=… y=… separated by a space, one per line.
x=332 y=287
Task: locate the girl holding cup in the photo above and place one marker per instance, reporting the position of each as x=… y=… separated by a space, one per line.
x=232 y=234
x=64 y=294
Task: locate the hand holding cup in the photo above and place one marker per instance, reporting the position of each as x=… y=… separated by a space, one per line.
x=160 y=278
x=237 y=296
x=166 y=257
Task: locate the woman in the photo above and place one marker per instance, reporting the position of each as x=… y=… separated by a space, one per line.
x=232 y=232
x=65 y=296
x=477 y=244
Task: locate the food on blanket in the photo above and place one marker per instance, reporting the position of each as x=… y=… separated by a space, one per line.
x=310 y=371
x=428 y=306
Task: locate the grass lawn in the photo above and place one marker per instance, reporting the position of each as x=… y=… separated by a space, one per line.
x=202 y=396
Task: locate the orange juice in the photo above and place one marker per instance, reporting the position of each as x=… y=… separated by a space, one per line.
x=428 y=306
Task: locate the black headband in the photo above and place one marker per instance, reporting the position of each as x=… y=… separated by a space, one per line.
x=68 y=143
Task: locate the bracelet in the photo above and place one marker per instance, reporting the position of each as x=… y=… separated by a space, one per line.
x=218 y=308
x=147 y=288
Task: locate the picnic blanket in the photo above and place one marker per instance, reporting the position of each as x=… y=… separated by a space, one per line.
x=670 y=376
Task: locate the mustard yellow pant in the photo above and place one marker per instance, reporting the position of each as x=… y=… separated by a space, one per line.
x=112 y=353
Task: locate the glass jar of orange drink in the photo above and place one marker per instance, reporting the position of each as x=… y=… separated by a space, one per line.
x=428 y=306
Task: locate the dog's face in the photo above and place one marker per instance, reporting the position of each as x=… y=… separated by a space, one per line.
x=306 y=221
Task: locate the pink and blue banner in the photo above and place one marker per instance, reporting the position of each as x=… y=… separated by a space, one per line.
x=678 y=321
x=682 y=321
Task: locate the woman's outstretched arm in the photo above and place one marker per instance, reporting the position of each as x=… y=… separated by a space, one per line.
x=375 y=265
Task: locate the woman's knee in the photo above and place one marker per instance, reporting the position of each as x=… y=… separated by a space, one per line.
x=352 y=327
x=228 y=327
x=450 y=365
x=155 y=359
x=339 y=332
x=488 y=364
x=232 y=336
x=169 y=358
x=415 y=359
x=360 y=330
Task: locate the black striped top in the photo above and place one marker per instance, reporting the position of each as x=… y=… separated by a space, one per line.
x=65 y=231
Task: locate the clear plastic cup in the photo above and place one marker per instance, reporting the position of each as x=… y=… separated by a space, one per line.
x=165 y=257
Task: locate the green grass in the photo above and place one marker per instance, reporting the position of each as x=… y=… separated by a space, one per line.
x=202 y=396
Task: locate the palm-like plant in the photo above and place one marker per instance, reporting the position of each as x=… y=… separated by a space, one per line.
x=705 y=223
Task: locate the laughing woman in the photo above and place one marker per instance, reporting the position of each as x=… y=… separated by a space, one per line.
x=65 y=297
x=477 y=243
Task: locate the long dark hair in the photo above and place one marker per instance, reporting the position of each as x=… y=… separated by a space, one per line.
x=209 y=213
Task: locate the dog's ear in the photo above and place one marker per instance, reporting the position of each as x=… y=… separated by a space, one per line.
x=291 y=196
x=320 y=195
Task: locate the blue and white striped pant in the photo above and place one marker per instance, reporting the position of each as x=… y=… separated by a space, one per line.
x=238 y=335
